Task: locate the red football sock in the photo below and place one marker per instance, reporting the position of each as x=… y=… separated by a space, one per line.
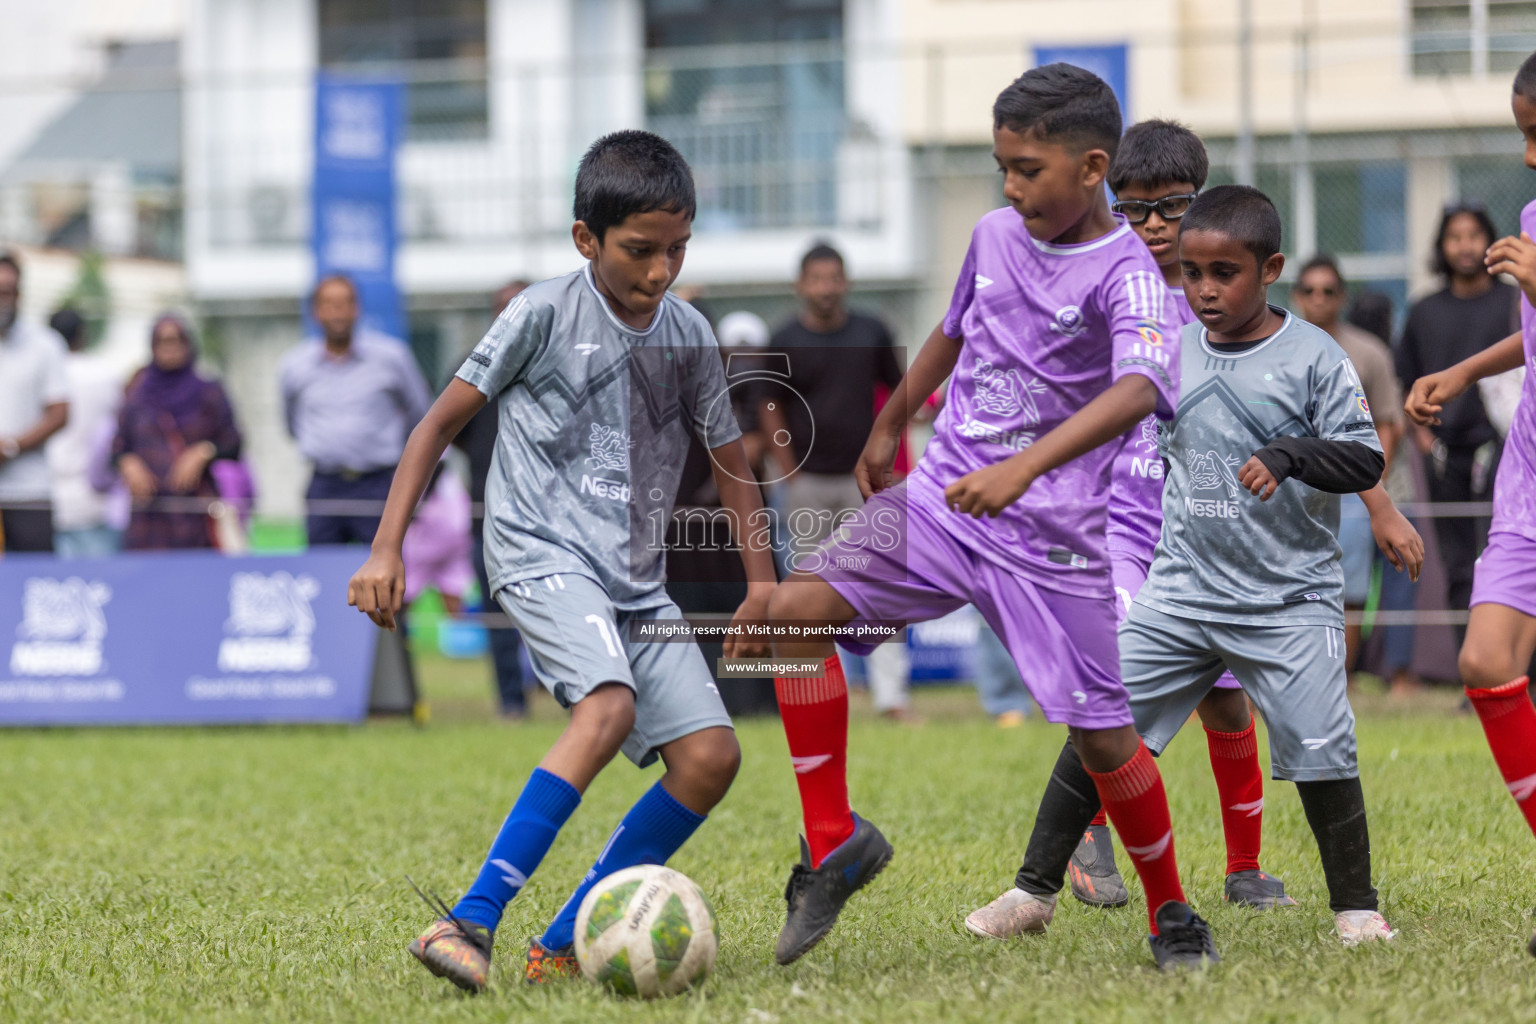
x=1133 y=795
x=815 y=713
x=1099 y=819
x=1240 y=784
x=1510 y=724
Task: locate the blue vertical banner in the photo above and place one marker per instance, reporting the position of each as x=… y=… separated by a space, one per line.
x=1108 y=62
x=357 y=133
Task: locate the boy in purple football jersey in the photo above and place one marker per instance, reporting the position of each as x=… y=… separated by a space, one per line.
x=1501 y=633
x=1059 y=339
x=1157 y=171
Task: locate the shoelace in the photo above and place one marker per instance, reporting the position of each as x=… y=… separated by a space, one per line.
x=442 y=909
x=1186 y=938
x=800 y=879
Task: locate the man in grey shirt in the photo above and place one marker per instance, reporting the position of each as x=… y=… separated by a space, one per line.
x=350 y=399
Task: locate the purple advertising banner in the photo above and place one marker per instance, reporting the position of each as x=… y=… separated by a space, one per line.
x=181 y=638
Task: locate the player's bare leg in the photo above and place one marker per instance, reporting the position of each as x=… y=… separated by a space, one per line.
x=840 y=851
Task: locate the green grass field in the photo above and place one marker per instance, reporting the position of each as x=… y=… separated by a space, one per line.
x=257 y=874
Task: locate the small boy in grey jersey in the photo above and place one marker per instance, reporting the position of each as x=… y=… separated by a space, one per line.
x=1270 y=409
x=600 y=377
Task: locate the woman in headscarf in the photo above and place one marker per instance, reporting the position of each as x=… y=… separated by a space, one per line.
x=173 y=425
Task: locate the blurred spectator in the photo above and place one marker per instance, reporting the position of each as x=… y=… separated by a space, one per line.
x=704 y=573
x=1472 y=312
x=172 y=426
x=1319 y=294
x=34 y=405
x=350 y=399
x=743 y=334
x=998 y=683
x=1372 y=311
x=80 y=528
x=437 y=543
x=478 y=442
x=816 y=424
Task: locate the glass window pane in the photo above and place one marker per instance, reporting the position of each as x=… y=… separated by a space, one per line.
x=1361 y=207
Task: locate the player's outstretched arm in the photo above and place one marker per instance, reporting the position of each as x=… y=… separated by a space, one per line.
x=934 y=363
x=739 y=494
x=1395 y=535
x=1120 y=407
x=1430 y=394
x=378 y=587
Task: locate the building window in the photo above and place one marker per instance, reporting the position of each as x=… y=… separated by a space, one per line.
x=1361 y=207
x=440 y=47
x=762 y=132
x=1502 y=184
x=1471 y=37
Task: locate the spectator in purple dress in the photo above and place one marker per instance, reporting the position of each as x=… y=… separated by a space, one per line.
x=173 y=425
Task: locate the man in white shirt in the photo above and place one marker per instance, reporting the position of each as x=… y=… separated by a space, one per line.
x=80 y=528
x=34 y=405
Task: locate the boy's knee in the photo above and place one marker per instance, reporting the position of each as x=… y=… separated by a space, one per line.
x=718 y=757
x=607 y=714
x=1225 y=711
x=802 y=597
x=1482 y=668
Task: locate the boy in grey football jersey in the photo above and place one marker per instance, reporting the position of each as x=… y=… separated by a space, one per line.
x=1272 y=426
x=600 y=377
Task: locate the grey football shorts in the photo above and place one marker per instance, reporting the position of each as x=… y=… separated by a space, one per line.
x=578 y=641
x=1293 y=673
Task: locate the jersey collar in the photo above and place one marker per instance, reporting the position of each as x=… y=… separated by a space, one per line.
x=1205 y=341
x=1081 y=247
x=613 y=317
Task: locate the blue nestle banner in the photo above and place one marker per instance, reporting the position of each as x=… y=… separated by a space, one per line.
x=1108 y=62
x=357 y=131
x=182 y=637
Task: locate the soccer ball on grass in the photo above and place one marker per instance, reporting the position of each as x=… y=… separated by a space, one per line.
x=646 y=931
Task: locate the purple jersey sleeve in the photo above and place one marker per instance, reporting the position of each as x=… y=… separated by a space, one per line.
x=1514 y=488
x=1145 y=337
x=965 y=291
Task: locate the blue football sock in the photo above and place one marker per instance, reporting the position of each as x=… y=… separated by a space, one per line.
x=546 y=802
x=650 y=833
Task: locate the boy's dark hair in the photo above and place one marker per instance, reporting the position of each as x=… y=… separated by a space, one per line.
x=70 y=326
x=1478 y=212
x=334 y=278
x=1322 y=261
x=631 y=172
x=1372 y=311
x=1159 y=153
x=1525 y=78
x=821 y=251
x=1061 y=103
x=1242 y=213
x=8 y=260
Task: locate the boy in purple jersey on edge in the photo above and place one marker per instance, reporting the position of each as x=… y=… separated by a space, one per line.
x=1059 y=339
x=1501 y=633
x=1157 y=171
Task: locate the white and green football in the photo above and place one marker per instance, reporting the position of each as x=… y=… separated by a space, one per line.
x=646 y=931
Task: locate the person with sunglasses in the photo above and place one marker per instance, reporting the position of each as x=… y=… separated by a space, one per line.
x=1318 y=294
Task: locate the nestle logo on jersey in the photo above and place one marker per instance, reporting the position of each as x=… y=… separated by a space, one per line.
x=613 y=490
x=1151 y=469
x=977 y=430
x=1211 y=508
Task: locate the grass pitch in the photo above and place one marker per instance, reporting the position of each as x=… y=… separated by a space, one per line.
x=257 y=874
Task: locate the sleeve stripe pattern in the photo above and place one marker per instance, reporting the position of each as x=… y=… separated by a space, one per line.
x=1147 y=298
x=1148 y=295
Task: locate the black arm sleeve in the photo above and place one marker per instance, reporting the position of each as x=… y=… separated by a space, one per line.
x=1339 y=467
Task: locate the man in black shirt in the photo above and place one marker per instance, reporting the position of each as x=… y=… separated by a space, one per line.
x=816 y=422
x=1472 y=312
x=478 y=441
